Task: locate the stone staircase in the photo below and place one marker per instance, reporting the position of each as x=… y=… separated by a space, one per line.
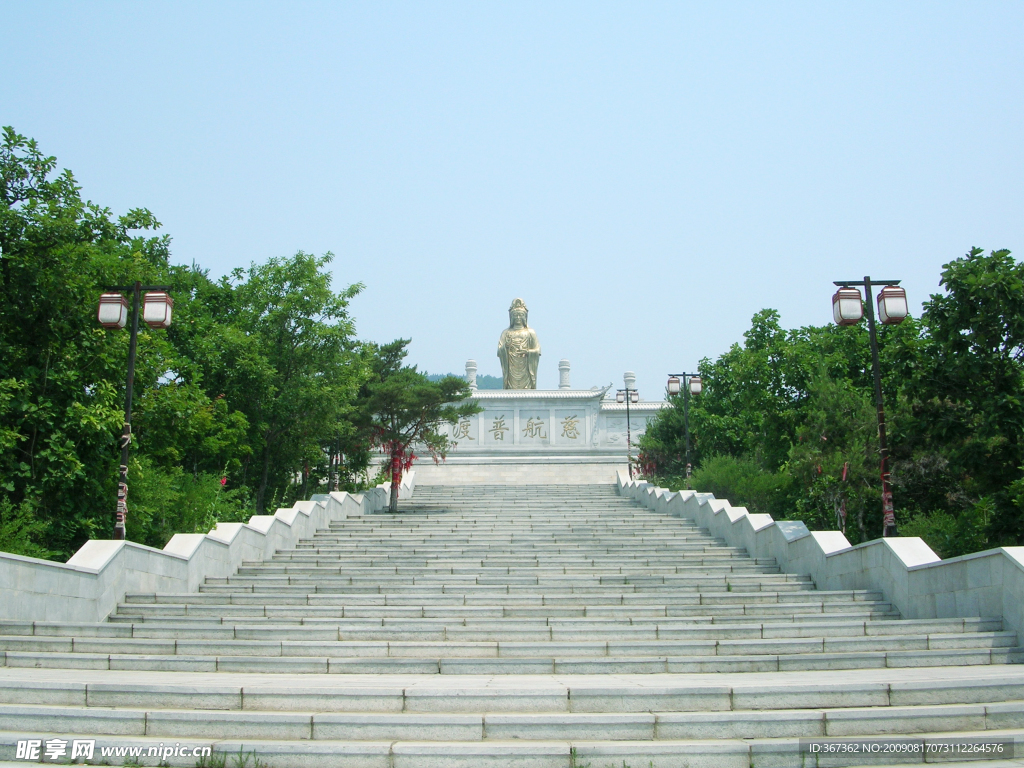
x=511 y=626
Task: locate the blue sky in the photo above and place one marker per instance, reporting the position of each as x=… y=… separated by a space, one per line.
x=645 y=176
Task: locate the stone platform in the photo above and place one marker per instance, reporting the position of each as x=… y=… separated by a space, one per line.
x=540 y=437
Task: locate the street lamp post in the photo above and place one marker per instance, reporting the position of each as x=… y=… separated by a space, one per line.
x=848 y=309
x=690 y=383
x=627 y=396
x=113 y=313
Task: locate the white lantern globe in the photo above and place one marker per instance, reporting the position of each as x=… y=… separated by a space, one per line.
x=696 y=385
x=620 y=397
x=113 y=310
x=892 y=305
x=847 y=306
x=634 y=396
x=156 y=310
x=673 y=385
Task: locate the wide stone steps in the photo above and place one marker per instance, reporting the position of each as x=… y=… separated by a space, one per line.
x=589 y=694
x=509 y=627
x=214 y=628
x=471 y=665
x=776 y=593
x=536 y=722
x=192 y=723
x=329 y=644
x=705 y=753
x=806 y=610
x=271 y=585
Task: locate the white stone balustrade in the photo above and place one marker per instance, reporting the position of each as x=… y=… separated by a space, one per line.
x=89 y=586
x=911 y=576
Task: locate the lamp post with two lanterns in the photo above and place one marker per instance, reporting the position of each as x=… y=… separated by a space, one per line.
x=627 y=396
x=848 y=309
x=690 y=384
x=113 y=313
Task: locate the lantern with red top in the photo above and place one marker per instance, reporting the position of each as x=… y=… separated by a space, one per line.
x=892 y=305
x=113 y=310
x=847 y=307
x=156 y=310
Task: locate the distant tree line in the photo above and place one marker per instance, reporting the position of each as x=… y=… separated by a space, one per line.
x=483 y=381
x=257 y=395
x=786 y=422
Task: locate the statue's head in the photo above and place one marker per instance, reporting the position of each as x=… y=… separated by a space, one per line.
x=517 y=314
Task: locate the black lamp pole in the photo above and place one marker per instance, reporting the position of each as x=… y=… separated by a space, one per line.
x=684 y=379
x=888 y=512
x=121 y=513
x=626 y=393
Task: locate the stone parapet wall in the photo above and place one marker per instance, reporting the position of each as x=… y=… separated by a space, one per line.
x=550 y=421
x=550 y=472
x=89 y=586
x=914 y=579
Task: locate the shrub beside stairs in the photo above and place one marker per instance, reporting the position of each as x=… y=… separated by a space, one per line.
x=520 y=626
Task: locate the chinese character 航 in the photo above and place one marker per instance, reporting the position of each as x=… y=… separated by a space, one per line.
x=534 y=428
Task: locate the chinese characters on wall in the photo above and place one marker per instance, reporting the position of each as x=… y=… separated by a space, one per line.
x=512 y=427
x=498 y=428
x=535 y=428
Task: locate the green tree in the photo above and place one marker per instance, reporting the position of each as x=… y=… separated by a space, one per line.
x=783 y=418
x=289 y=362
x=60 y=401
x=62 y=376
x=962 y=453
x=402 y=408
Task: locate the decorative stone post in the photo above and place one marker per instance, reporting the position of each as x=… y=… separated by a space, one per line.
x=471 y=374
x=629 y=379
x=563 y=374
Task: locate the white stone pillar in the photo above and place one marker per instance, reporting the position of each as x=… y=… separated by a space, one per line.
x=563 y=374
x=471 y=374
x=629 y=378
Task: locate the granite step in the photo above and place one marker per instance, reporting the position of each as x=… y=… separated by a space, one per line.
x=192 y=722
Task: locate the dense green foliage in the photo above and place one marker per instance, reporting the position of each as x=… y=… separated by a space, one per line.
x=249 y=400
x=787 y=415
